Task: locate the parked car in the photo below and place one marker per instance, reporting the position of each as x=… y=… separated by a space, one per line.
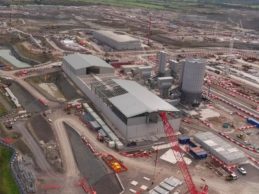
x=241 y=170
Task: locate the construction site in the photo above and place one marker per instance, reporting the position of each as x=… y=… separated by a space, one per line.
x=100 y=99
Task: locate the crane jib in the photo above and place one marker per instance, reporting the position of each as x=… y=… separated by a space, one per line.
x=170 y=133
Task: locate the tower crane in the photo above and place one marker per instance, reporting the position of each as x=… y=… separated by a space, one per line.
x=170 y=133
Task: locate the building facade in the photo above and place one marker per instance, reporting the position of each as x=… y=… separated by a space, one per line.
x=117 y=40
x=131 y=108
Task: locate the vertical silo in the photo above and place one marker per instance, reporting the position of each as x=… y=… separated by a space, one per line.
x=192 y=81
x=161 y=56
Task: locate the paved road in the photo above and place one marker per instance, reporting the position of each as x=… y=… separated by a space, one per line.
x=34 y=147
x=71 y=170
x=67 y=154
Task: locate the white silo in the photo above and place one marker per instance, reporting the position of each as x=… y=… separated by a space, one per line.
x=161 y=57
x=192 y=82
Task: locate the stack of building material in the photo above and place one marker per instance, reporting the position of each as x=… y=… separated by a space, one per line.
x=165 y=187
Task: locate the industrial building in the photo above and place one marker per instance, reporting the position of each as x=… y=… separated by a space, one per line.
x=80 y=64
x=192 y=81
x=117 y=40
x=131 y=108
x=220 y=148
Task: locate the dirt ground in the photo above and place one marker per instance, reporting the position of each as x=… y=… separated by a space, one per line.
x=63 y=85
x=91 y=167
x=42 y=128
x=26 y=99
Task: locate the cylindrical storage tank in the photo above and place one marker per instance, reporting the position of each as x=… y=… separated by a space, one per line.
x=192 y=82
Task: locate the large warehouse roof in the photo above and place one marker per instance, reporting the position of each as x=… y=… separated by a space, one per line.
x=138 y=100
x=118 y=37
x=79 y=61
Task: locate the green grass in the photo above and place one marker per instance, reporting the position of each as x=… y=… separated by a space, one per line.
x=148 y=4
x=128 y=3
x=179 y=5
x=7 y=183
x=2 y=110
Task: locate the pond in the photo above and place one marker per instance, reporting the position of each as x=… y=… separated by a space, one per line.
x=7 y=55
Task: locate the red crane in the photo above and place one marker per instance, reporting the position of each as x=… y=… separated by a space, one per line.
x=170 y=133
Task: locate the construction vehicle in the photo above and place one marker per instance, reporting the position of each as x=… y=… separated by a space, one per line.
x=231 y=177
x=115 y=164
x=77 y=106
x=170 y=133
x=241 y=136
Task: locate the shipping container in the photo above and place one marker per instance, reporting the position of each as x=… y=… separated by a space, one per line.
x=184 y=139
x=198 y=153
x=253 y=121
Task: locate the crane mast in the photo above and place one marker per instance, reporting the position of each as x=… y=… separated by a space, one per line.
x=170 y=133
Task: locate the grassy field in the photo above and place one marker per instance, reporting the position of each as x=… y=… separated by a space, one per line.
x=153 y=4
x=7 y=183
x=144 y=3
